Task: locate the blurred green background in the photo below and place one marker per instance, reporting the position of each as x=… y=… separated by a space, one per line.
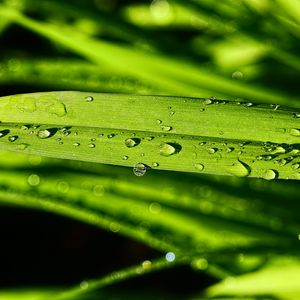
x=221 y=229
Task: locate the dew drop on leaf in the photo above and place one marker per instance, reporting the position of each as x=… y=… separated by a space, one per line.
x=4 y=133
x=208 y=101
x=239 y=169
x=270 y=174
x=125 y=157
x=155 y=164
x=89 y=99
x=295 y=166
x=57 y=108
x=139 y=169
x=22 y=146
x=199 y=167
x=167 y=149
x=33 y=180
x=76 y=144
x=91 y=145
x=166 y=128
x=212 y=150
x=295 y=132
x=132 y=142
x=295 y=115
x=43 y=134
x=13 y=138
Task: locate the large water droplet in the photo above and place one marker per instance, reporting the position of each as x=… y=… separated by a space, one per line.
x=43 y=134
x=270 y=174
x=139 y=169
x=168 y=149
x=132 y=142
x=239 y=169
x=57 y=108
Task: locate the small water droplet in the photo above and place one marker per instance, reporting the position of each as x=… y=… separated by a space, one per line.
x=202 y=143
x=295 y=132
x=139 y=169
x=158 y=121
x=132 y=142
x=170 y=256
x=84 y=285
x=166 y=128
x=295 y=115
x=274 y=106
x=33 y=180
x=13 y=138
x=110 y=136
x=22 y=146
x=208 y=101
x=76 y=144
x=125 y=157
x=270 y=174
x=25 y=127
x=248 y=104
x=91 y=145
x=89 y=99
x=43 y=134
x=155 y=164
x=212 y=150
x=147 y=265
x=295 y=166
x=229 y=149
x=239 y=169
x=199 y=167
x=202 y=109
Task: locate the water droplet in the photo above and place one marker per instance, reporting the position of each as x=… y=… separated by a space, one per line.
x=208 y=101
x=89 y=99
x=25 y=127
x=57 y=108
x=248 y=104
x=202 y=143
x=166 y=128
x=76 y=144
x=158 y=121
x=27 y=105
x=202 y=109
x=4 y=133
x=125 y=157
x=33 y=180
x=239 y=169
x=43 y=134
x=13 y=138
x=200 y=264
x=132 y=142
x=84 y=285
x=22 y=146
x=139 y=169
x=171 y=113
x=168 y=149
x=212 y=150
x=294 y=132
x=146 y=265
x=155 y=164
x=295 y=166
x=229 y=149
x=114 y=227
x=91 y=145
x=278 y=150
x=295 y=115
x=170 y=256
x=199 y=167
x=274 y=106
x=270 y=174
x=155 y=208
x=110 y=136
